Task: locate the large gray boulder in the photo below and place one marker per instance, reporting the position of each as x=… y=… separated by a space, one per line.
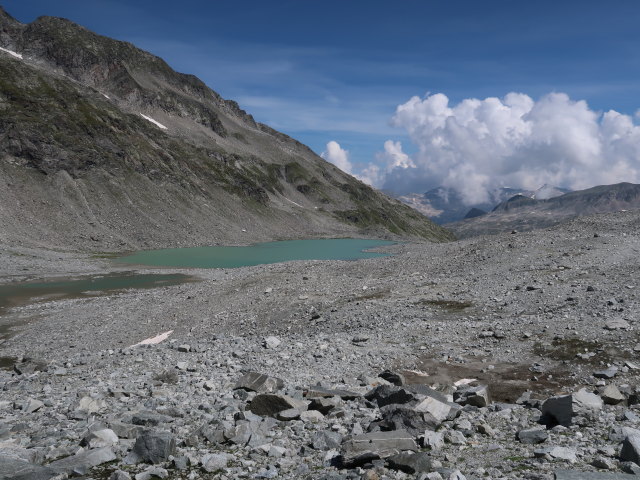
x=611 y=395
x=104 y=437
x=81 y=463
x=258 y=382
x=433 y=440
x=326 y=440
x=13 y=468
x=92 y=405
x=253 y=433
x=532 y=436
x=269 y=405
x=152 y=447
x=397 y=417
x=363 y=448
x=393 y=378
x=213 y=462
x=562 y=409
x=325 y=405
x=150 y=419
x=410 y=462
x=390 y=394
x=631 y=448
x=578 y=475
x=557 y=453
x=320 y=392
x=475 y=396
x=438 y=410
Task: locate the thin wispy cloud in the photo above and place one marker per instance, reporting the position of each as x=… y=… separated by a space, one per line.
x=286 y=87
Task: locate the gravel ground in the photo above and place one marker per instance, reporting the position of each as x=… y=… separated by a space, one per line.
x=539 y=312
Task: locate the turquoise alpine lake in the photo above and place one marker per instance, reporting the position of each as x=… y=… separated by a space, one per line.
x=258 y=254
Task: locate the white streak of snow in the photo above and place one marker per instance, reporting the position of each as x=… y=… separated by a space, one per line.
x=293 y=202
x=107 y=97
x=420 y=373
x=154 y=340
x=153 y=121
x=11 y=52
x=464 y=381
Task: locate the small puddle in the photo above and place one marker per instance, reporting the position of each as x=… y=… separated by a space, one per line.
x=7 y=363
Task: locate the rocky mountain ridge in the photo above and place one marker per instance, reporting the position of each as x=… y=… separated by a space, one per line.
x=446 y=205
x=524 y=213
x=104 y=147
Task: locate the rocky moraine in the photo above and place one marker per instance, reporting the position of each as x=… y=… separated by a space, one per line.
x=507 y=357
x=514 y=356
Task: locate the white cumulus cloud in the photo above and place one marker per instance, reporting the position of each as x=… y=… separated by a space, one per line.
x=335 y=154
x=478 y=145
x=394 y=157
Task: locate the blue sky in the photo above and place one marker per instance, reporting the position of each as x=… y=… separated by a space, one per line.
x=337 y=70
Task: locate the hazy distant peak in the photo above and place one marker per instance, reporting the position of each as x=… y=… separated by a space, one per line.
x=547 y=191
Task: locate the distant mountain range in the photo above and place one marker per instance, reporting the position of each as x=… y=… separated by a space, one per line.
x=104 y=146
x=522 y=213
x=445 y=205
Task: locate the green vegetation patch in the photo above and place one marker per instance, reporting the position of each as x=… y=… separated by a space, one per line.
x=568 y=348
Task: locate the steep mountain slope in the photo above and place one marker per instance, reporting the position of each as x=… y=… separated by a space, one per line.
x=523 y=213
x=103 y=146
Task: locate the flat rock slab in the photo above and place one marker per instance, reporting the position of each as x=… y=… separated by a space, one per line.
x=149 y=418
x=577 y=475
x=563 y=408
x=153 y=447
x=611 y=395
x=475 y=396
x=269 y=405
x=410 y=463
x=321 y=392
x=383 y=444
x=631 y=447
x=259 y=382
x=532 y=435
x=427 y=392
x=616 y=324
x=15 y=468
x=398 y=417
x=80 y=464
x=557 y=453
x=437 y=409
x=388 y=394
x=606 y=374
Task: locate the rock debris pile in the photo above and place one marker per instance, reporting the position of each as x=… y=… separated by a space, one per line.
x=179 y=411
x=510 y=357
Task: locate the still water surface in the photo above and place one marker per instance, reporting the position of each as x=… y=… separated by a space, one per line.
x=13 y=294
x=261 y=253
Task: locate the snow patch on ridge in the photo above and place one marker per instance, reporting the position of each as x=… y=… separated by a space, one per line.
x=288 y=199
x=11 y=52
x=155 y=122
